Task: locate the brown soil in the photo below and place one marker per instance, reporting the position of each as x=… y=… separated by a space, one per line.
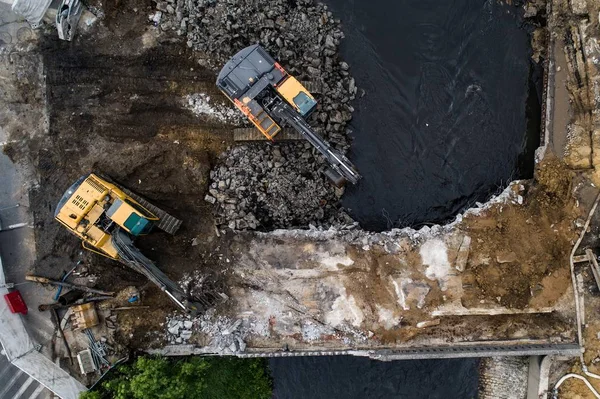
x=539 y=235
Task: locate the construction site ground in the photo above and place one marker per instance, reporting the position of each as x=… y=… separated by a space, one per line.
x=114 y=101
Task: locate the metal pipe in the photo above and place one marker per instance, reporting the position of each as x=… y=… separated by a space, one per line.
x=44 y=280
x=62 y=334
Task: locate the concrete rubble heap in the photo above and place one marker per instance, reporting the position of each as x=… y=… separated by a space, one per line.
x=304 y=38
x=275 y=186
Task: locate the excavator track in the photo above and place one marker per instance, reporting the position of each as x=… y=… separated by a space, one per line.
x=253 y=134
x=167 y=223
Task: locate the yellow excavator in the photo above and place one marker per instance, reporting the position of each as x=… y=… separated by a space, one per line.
x=107 y=218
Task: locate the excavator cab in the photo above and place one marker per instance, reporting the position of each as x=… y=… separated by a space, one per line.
x=297 y=96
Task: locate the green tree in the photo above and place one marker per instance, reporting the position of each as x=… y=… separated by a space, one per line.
x=196 y=377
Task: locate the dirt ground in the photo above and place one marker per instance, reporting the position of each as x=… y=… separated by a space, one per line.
x=537 y=235
x=116 y=106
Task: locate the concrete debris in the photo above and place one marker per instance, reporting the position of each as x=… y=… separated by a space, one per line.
x=226 y=335
x=267 y=187
x=435 y=256
x=463 y=254
x=256 y=186
x=506 y=257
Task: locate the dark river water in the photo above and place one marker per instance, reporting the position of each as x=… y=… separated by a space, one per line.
x=450 y=115
x=347 y=377
x=442 y=123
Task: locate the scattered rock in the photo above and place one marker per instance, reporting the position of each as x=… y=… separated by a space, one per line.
x=506 y=257
x=428 y=323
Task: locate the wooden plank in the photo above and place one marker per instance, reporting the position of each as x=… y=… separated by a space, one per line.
x=580 y=258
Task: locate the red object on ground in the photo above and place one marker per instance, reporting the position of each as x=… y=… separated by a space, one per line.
x=15 y=302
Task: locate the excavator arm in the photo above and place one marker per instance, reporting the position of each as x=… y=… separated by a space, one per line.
x=132 y=257
x=340 y=165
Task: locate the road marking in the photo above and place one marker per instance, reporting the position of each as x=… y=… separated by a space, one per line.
x=9 y=366
x=21 y=390
x=11 y=382
x=37 y=392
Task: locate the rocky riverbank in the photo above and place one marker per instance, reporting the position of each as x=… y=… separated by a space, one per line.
x=262 y=186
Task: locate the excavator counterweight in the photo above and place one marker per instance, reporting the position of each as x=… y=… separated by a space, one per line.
x=271 y=99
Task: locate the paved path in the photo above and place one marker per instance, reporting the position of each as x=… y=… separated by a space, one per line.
x=15 y=384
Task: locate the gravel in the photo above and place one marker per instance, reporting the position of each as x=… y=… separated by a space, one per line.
x=262 y=186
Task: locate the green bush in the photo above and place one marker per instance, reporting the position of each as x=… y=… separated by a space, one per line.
x=196 y=377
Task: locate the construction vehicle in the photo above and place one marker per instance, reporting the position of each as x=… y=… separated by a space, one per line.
x=107 y=218
x=271 y=98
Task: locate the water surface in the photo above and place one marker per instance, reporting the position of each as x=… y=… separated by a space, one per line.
x=443 y=120
x=348 y=377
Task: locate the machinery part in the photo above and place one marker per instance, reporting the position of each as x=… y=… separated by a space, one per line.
x=97 y=349
x=47 y=306
x=269 y=97
x=70 y=297
x=334 y=177
x=131 y=256
x=252 y=134
x=44 y=280
x=337 y=161
x=313 y=86
x=67 y=18
x=166 y=222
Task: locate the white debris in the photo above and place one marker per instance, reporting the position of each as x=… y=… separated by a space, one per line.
x=345 y=309
x=434 y=254
x=387 y=318
x=332 y=261
x=201 y=105
x=428 y=323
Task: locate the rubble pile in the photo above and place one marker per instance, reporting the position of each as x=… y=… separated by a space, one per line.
x=272 y=187
x=303 y=36
x=202 y=105
x=179 y=329
x=227 y=336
